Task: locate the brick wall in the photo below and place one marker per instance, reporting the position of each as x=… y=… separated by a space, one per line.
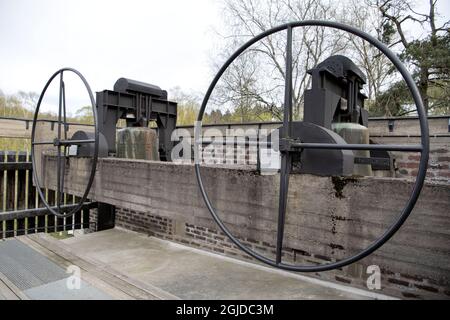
x=438 y=165
x=211 y=239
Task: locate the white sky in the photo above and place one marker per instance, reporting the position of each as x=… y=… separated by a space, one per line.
x=164 y=42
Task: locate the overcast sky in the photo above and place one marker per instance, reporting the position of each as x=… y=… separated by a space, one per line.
x=166 y=42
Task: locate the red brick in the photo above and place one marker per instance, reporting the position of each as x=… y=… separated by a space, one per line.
x=439 y=151
x=409 y=165
x=414 y=157
x=427 y=288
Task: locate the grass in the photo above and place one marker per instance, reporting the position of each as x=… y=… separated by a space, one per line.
x=15 y=144
x=61 y=235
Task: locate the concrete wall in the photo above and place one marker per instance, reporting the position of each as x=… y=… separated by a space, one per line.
x=405 y=130
x=21 y=128
x=327 y=219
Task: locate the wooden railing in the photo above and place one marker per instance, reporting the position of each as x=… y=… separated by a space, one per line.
x=22 y=212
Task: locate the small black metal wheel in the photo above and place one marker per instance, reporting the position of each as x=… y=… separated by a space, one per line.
x=62 y=143
x=295 y=146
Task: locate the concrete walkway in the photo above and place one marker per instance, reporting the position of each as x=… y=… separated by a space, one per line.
x=125 y=265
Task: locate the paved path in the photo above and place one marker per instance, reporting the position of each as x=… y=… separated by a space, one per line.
x=118 y=264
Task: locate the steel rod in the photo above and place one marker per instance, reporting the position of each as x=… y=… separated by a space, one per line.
x=329 y=146
x=282 y=204
x=72 y=142
x=285 y=156
x=58 y=164
x=287 y=118
x=41 y=143
x=29 y=213
x=63 y=168
x=63 y=142
x=385 y=147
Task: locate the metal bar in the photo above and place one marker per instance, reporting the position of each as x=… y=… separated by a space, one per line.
x=72 y=142
x=385 y=147
x=19 y=214
x=285 y=156
x=5 y=183
x=58 y=164
x=63 y=169
x=58 y=226
x=439 y=135
x=27 y=191
x=64 y=110
x=282 y=205
x=287 y=118
x=45 y=120
x=9 y=166
x=238 y=124
x=16 y=194
x=330 y=146
x=372 y=161
x=237 y=142
x=63 y=142
x=41 y=143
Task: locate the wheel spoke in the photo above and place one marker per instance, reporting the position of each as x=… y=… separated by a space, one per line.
x=285 y=156
x=42 y=143
x=287 y=118
x=73 y=142
x=64 y=142
x=283 y=199
x=58 y=164
x=63 y=168
x=385 y=147
x=64 y=111
x=324 y=146
x=63 y=159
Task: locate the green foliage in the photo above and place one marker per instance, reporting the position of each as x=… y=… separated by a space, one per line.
x=11 y=106
x=427 y=57
x=432 y=53
x=388 y=32
x=187 y=113
x=429 y=60
x=84 y=115
x=21 y=105
x=392 y=102
x=15 y=144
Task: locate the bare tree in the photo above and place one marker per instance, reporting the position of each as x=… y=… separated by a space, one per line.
x=257 y=78
x=375 y=65
x=28 y=99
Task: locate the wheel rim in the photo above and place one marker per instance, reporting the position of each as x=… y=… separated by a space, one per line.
x=423 y=149
x=58 y=210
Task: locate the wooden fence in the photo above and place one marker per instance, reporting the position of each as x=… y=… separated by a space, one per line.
x=22 y=212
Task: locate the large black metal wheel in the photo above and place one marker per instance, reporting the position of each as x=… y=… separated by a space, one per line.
x=289 y=145
x=62 y=143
